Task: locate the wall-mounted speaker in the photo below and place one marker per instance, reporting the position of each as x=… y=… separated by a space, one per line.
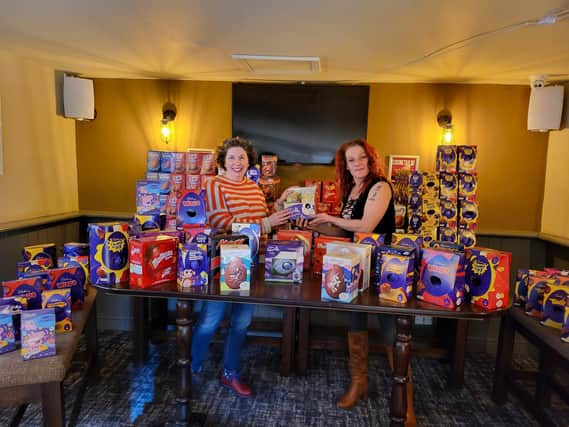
x=545 y=108
x=78 y=98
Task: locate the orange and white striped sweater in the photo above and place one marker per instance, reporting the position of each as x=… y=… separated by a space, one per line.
x=241 y=202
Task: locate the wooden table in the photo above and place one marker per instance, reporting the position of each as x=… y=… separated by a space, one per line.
x=305 y=296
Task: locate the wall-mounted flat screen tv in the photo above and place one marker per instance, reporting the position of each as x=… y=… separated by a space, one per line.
x=301 y=123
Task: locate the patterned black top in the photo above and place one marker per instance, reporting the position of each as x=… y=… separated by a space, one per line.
x=354 y=209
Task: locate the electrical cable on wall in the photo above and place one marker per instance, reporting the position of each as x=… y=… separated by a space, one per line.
x=548 y=19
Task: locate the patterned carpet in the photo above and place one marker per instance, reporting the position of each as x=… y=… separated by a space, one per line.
x=124 y=395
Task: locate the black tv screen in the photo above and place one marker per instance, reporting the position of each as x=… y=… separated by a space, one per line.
x=300 y=123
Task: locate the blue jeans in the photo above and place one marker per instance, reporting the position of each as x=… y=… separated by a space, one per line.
x=358 y=322
x=211 y=315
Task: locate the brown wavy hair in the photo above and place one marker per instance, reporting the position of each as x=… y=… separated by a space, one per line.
x=344 y=179
x=245 y=144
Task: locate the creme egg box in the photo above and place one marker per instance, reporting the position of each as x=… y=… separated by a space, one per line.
x=396 y=278
x=449 y=185
x=147 y=222
x=429 y=234
x=363 y=251
x=467 y=185
x=468 y=212
x=193 y=265
x=446 y=158
x=60 y=301
x=449 y=210
x=565 y=328
x=284 y=260
x=467 y=237
x=431 y=187
x=235 y=269
x=554 y=302
x=340 y=276
x=108 y=253
x=536 y=292
x=438 y=282
x=488 y=277
x=46 y=251
x=32 y=265
x=467 y=157
x=301 y=202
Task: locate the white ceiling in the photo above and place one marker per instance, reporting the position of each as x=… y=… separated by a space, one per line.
x=357 y=40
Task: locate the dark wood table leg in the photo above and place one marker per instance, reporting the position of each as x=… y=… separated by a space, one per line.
x=140 y=330
x=543 y=384
x=287 y=344
x=458 y=353
x=184 y=415
x=52 y=404
x=503 y=359
x=303 y=340
x=401 y=357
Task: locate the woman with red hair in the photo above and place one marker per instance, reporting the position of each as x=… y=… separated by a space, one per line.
x=367 y=207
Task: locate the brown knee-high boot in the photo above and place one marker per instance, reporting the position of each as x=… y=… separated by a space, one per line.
x=358 y=347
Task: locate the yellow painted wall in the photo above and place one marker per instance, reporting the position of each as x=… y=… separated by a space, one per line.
x=402 y=120
x=555 y=216
x=40 y=168
x=511 y=165
x=111 y=151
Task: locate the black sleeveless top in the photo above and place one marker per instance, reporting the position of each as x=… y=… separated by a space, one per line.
x=386 y=224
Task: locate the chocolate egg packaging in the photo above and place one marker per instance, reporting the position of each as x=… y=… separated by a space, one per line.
x=29 y=288
x=72 y=278
x=147 y=197
x=153 y=260
x=320 y=250
x=153 y=161
x=235 y=269
x=108 y=253
x=565 y=328
x=45 y=251
x=363 y=251
x=467 y=158
x=449 y=185
x=396 y=278
x=301 y=202
x=406 y=251
x=447 y=158
x=60 y=301
x=38 y=333
x=374 y=240
x=522 y=284
x=193 y=265
x=284 y=261
x=488 y=277
x=536 y=292
x=7 y=333
x=190 y=208
x=554 y=302
x=437 y=282
x=216 y=242
x=305 y=236
x=253 y=232
x=340 y=277
x=467 y=186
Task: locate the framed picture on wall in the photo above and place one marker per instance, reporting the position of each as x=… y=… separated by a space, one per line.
x=399 y=162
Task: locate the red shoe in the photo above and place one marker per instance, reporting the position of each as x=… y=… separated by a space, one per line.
x=231 y=381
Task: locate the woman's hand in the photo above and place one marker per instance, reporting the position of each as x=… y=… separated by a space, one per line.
x=280 y=201
x=279 y=218
x=322 y=218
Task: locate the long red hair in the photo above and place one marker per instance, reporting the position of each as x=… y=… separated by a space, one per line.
x=344 y=179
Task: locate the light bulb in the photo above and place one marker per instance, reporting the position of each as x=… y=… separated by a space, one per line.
x=447 y=135
x=166 y=131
